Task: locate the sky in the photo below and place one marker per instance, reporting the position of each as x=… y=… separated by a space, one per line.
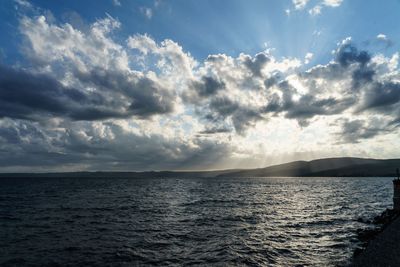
x=118 y=85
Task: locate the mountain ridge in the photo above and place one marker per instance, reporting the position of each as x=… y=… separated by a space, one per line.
x=346 y=166
x=325 y=167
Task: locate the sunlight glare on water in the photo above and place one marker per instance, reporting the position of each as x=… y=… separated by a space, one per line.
x=173 y=222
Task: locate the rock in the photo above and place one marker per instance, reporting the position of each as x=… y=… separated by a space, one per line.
x=367 y=234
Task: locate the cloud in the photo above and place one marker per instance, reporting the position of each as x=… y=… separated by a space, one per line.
x=384 y=39
x=308 y=58
x=225 y=111
x=257 y=63
x=170 y=58
x=147 y=12
x=306 y=106
x=318 y=5
x=220 y=88
x=23 y=3
x=116 y=2
x=215 y=130
x=382 y=96
x=97 y=68
x=139 y=95
x=28 y=96
x=381 y=37
x=207 y=86
x=84 y=100
x=354 y=131
x=347 y=54
x=332 y=3
x=47 y=43
x=101 y=146
x=300 y=4
x=358 y=82
x=36 y=96
x=316 y=10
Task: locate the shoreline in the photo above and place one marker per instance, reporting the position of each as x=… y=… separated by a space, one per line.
x=380 y=245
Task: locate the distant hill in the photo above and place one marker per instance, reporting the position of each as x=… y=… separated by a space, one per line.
x=325 y=167
x=347 y=166
x=106 y=174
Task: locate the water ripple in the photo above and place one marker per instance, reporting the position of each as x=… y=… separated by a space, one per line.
x=175 y=222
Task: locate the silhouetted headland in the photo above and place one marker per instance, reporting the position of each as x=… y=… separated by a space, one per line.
x=381 y=244
x=329 y=167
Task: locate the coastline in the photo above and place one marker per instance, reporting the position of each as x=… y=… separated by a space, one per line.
x=382 y=247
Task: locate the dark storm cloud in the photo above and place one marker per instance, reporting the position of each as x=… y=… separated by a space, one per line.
x=245 y=118
x=365 y=91
x=145 y=96
x=256 y=64
x=382 y=96
x=348 y=54
x=306 y=107
x=203 y=89
x=242 y=117
x=276 y=103
x=273 y=80
x=349 y=61
x=220 y=109
x=353 y=68
x=215 y=130
x=208 y=86
x=395 y=122
x=353 y=131
x=362 y=76
x=223 y=106
x=25 y=143
x=24 y=95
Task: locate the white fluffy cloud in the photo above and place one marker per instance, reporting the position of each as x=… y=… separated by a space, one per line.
x=300 y=4
x=318 y=5
x=86 y=101
x=332 y=3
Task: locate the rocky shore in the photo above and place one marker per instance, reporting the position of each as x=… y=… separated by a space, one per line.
x=381 y=244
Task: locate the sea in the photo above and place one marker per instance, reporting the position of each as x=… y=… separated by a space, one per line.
x=186 y=221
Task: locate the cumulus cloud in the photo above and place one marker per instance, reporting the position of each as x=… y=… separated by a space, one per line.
x=332 y=3
x=101 y=146
x=354 y=131
x=316 y=10
x=308 y=57
x=215 y=130
x=354 y=82
x=86 y=101
x=257 y=63
x=382 y=95
x=381 y=37
x=97 y=66
x=318 y=5
x=38 y=96
x=207 y=86
x=299 y=4
x=384 y=39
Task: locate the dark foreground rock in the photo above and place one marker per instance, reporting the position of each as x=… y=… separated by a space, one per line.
x=382 y=244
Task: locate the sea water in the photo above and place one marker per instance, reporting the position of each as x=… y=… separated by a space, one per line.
x=195 y=221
